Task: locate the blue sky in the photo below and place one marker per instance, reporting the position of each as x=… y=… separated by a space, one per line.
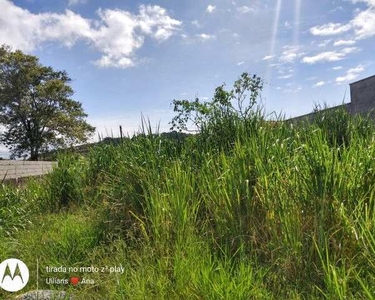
x=128 y=57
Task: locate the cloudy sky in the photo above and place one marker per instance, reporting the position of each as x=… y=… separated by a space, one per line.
x=126 y=57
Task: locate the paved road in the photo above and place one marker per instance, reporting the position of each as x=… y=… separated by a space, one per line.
x=14 y=169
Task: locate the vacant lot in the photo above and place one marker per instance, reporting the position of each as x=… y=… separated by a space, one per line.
x=244 y=210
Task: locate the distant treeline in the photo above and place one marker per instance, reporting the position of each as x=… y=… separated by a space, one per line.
x=83 y=149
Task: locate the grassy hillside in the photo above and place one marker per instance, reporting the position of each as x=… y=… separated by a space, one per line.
x=248 y=209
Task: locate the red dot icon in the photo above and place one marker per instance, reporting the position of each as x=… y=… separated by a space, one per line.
x=74 y=280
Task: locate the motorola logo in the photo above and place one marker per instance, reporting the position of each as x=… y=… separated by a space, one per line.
x=14 y=275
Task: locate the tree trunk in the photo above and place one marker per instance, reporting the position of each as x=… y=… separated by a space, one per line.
x=34 y=154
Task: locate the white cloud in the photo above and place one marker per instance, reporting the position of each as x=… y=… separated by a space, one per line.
x=196 y=23
x=338 y=8
x=293 y=91
x=235 y=35
x=286 y=76
x=240 y=63
x=357 y=69
x=368 y=2
x=268 y=57
x=116 y=35
x=351 y=74
x=206 y=37
x=330 y=29
x=210 y=8
x=290 y=54
x=318 y=84
x=364 y=24
x=75 y=2
x=344 y=43
x=156 y=21
x=329 y=56
x=24 y=30
x=350 y=50
x=337 y=68
x=107 y=61
x=245 y=9
x=287 y=25
x=324 y=43
x=323 y=56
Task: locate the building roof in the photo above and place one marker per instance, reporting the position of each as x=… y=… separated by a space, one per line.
x=373 y=76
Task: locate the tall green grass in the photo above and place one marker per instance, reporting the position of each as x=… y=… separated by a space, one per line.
x=248 y=209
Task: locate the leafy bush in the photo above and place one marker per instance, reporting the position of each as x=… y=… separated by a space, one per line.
x=220 y=121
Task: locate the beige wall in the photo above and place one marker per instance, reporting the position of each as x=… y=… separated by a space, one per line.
x=11 y=169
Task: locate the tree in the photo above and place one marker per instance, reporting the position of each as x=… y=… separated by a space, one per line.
x=236 y=103
x=36 y=108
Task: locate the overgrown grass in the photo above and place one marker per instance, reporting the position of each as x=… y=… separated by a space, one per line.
x=254 y=210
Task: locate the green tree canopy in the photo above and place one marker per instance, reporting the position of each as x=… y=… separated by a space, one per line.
x=36 y=108
x=236 y=103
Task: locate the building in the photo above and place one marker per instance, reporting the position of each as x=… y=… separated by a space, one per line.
x=362 y=94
